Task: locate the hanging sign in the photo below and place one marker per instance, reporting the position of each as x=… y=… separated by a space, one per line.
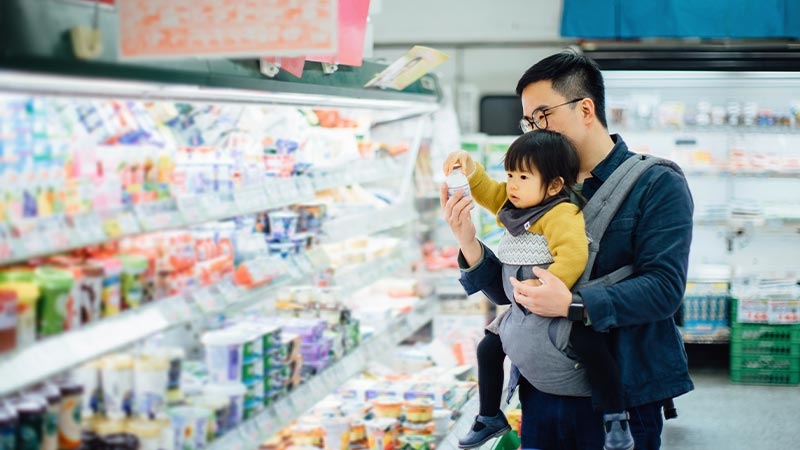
x=408 y=68
x=151 y=29
x=352 y=29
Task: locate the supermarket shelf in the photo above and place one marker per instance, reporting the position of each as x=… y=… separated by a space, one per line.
x=61 y=352
x=776 y=224
x=466 y=415
x=357 y=276
x=726 y=129
x=50 y=356
x=368 y=222
x=253 y=432
x=690 y=170
x=705 y=339
x=56 y=354
x=34 y=238
x=361 y=171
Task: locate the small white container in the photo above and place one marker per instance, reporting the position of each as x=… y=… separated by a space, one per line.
x=117 y=382
x=283 y=224
x=235 y=393
x=457 y=181
x=441 y=418
x=150 y=382
x=225 y=355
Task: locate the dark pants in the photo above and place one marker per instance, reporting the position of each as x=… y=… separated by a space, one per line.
x=552 y=422
x=591 y=348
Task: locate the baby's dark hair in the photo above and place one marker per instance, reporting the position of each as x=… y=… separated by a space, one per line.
x=551 y=155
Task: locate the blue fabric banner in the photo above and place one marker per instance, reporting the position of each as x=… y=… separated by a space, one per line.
x=633 y=19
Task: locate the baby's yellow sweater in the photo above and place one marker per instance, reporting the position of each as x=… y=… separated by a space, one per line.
x=562 y=226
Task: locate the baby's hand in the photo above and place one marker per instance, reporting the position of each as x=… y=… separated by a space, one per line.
x=459 y=158
x=532 y=282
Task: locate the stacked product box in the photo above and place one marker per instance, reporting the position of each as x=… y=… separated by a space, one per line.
x=765 y=353
x=705 y=311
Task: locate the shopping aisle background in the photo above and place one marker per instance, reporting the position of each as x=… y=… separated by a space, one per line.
x=722 y=415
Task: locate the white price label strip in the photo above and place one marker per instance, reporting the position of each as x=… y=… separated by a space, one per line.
x=128 y=223
x=159 y=215
x=208 y=301
x=193 y=209
x=228 y=291
x=250 y=199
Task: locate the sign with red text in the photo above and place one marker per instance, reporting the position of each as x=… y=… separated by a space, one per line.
x=352 y=29
x=151 y=29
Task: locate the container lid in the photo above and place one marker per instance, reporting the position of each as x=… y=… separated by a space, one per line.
x=105 y=427
x=7 y=415
x=54 y=277
x=225 y=389
x=151 y=362
x=147 y=429
x=133 y=263
x=110 y=265
x=29 y=408
x=17 y=274
x=27 y=292
x=214 y=401
x=119 y=362
x=229 y=336
x=71 y=388
x=92 y=269
x=51 y=392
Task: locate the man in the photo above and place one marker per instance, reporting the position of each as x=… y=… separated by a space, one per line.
x=651 y=231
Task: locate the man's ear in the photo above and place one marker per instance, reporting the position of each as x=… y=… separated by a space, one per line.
x=587 y=108
x=555 y=186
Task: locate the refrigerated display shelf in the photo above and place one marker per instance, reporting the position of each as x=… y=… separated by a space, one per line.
x=59 y=353
x=44 y=236
x=253 y=432
x=369 y=222
x=361 y=171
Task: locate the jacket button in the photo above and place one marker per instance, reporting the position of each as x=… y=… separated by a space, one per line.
x=577 y=366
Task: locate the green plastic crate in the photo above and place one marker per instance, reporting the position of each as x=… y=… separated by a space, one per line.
x=767 y=362
x=764 y=376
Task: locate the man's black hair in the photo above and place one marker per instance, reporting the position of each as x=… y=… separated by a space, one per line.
x=573 y=76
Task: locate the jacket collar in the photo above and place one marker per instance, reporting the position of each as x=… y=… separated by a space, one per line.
x=613 y=160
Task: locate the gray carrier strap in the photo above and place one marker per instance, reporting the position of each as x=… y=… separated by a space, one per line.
x=603 y=206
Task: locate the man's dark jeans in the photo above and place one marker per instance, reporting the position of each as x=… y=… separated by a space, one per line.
x=552 y=422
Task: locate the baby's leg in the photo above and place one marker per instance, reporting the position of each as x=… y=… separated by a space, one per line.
x=490 y=374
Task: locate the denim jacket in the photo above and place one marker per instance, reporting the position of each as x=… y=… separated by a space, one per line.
x=653 y=231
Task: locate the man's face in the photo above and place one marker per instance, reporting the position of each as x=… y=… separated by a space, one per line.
x=563 y=119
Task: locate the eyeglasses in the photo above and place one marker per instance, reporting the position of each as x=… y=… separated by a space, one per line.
x=538 y=118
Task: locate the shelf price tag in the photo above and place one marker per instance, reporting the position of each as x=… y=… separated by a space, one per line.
x=175 y=309
x=159 y=215
x=228 y=291
x=251 y=199
x=208 y=301
x=194 y=208
x=87 y=228
x=284 y=410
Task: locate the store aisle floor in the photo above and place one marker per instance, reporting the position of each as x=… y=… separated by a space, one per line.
x=722 y=415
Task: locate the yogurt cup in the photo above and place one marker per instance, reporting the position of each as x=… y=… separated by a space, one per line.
x=225 y=355
x=150 y=381
x=283 y=225
x=235 y=393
